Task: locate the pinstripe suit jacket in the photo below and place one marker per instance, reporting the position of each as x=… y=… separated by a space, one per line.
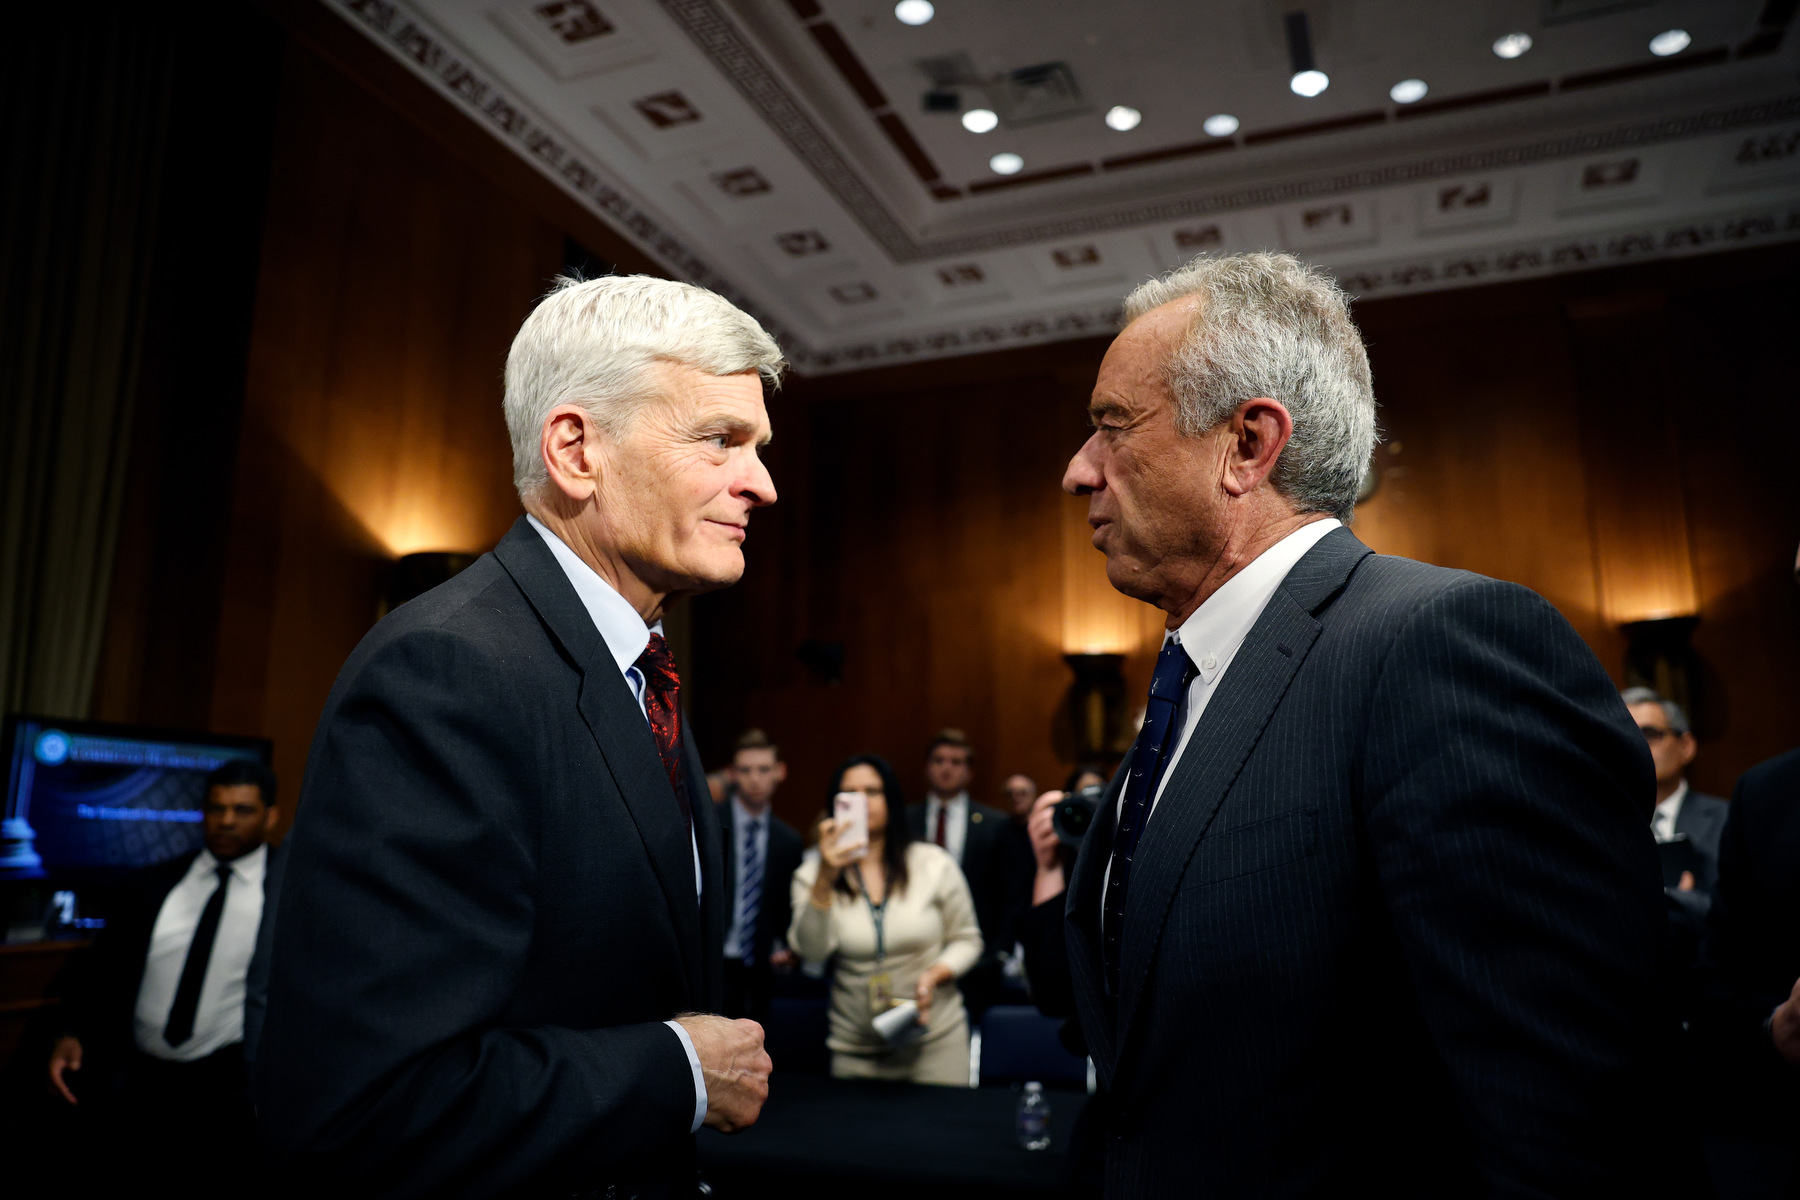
x=1397 y=920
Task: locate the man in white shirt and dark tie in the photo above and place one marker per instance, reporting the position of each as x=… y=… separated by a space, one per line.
x=156 y=1020
x=761 y=854
x=975 y=836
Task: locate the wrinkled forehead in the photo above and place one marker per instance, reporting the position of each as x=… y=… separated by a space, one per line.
x=1134 y=364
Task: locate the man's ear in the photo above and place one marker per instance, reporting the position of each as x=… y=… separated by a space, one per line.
x=270 y=813
x=570 y=447
x=780 y=772
x=1260 y=430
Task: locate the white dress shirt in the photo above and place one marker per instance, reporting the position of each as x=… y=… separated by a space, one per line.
x=626 y=638
x=219 y=1019
x=956 y=823
x=735 y=936
x=1213 y=632
x=1668 y=812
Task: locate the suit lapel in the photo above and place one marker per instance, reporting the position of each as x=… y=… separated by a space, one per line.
x=716 y=889
x=620 y=731
x=1234 y=720
x=1081 y=917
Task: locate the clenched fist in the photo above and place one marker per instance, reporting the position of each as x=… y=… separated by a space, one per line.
x=735 y=1066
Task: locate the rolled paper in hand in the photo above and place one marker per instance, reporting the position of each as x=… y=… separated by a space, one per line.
x=900 y=1024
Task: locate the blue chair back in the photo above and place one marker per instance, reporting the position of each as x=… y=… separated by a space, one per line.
x=1019 y=1044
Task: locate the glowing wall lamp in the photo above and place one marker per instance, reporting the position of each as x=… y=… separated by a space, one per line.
x=1100 y=630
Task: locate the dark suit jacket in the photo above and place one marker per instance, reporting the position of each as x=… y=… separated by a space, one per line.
x=785 y=851
x=489 y=911
x=1751 y=955
x=985 y=866
x=1702 y=819
x=102 y=1002
x=1397 y=920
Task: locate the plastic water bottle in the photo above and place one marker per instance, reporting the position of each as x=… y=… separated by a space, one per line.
x=1034 y=1118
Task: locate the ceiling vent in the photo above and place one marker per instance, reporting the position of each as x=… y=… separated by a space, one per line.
x=1031 y=95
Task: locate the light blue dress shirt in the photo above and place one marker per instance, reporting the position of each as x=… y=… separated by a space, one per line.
x=626 y=637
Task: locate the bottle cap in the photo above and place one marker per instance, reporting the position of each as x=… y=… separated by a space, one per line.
x=1034 y=1086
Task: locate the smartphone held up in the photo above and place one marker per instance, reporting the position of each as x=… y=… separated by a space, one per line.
x=850 y=811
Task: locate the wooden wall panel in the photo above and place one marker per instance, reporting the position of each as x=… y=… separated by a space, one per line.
x=394 y=278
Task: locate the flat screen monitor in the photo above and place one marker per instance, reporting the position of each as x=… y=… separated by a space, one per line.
x=86 y=797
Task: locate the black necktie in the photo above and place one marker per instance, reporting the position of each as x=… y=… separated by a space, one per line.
x=193 y=972
x=1155 y=744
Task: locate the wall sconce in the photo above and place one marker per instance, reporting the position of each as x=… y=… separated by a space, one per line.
x=1094 y=722
x=1657 y=655
x=412 y=575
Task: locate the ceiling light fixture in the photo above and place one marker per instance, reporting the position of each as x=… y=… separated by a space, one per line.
x=1006 y=164
x=1123 y=117
x=1670 y=41
x=914 y=12
x=1220 y=125
x=1512 y=45
x=1307 y=79
x=979 y=120
x=1309 y=83
x=1408 y=91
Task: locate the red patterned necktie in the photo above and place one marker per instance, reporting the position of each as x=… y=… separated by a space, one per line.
x=662 y=690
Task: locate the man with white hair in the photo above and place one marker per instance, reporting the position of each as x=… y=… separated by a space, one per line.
x=1371 y=905
x=505 y=908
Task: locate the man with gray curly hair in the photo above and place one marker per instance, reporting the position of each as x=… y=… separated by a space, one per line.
x=1371 y=902
x=501 y=933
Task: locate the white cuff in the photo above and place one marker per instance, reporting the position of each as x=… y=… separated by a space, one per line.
x=687 y=1044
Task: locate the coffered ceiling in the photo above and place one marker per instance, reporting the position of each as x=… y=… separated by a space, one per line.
x=809 y=158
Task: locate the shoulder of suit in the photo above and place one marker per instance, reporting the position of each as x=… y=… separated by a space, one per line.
x=987 y=818
x=1774 y=780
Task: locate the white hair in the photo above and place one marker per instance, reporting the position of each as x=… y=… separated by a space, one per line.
x=590 y=343
x=1268 y=325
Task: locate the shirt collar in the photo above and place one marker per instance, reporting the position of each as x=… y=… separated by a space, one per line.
x=744 y=814
x=1213 y=632
x=952 y=802
x=1672 y=806
x=248 y=868
x=620 y=626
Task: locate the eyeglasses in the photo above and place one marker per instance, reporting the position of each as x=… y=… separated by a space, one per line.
x=1655 y=733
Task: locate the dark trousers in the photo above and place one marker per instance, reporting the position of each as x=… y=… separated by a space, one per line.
x=163 y=1113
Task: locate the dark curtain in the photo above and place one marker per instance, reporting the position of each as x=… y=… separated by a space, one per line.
x=85 y=109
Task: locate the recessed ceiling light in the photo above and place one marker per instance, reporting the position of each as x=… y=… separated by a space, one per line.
x=1670 y=41
x=1122 y=117
x=1309 y=83
x=1006 y=164
x=1512 y=45
x=979 y=120
x=914 y=12
x=1408 y=91
x=1220 y=125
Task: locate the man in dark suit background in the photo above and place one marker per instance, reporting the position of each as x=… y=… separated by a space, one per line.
x=976 y=837
x=1682 y=815
x=1371 y=904
x=761 y=854
x=155 y=1027
x=505 y=905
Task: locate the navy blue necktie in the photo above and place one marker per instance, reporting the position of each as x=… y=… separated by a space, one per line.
x=750 y=895
x=1155 y=745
